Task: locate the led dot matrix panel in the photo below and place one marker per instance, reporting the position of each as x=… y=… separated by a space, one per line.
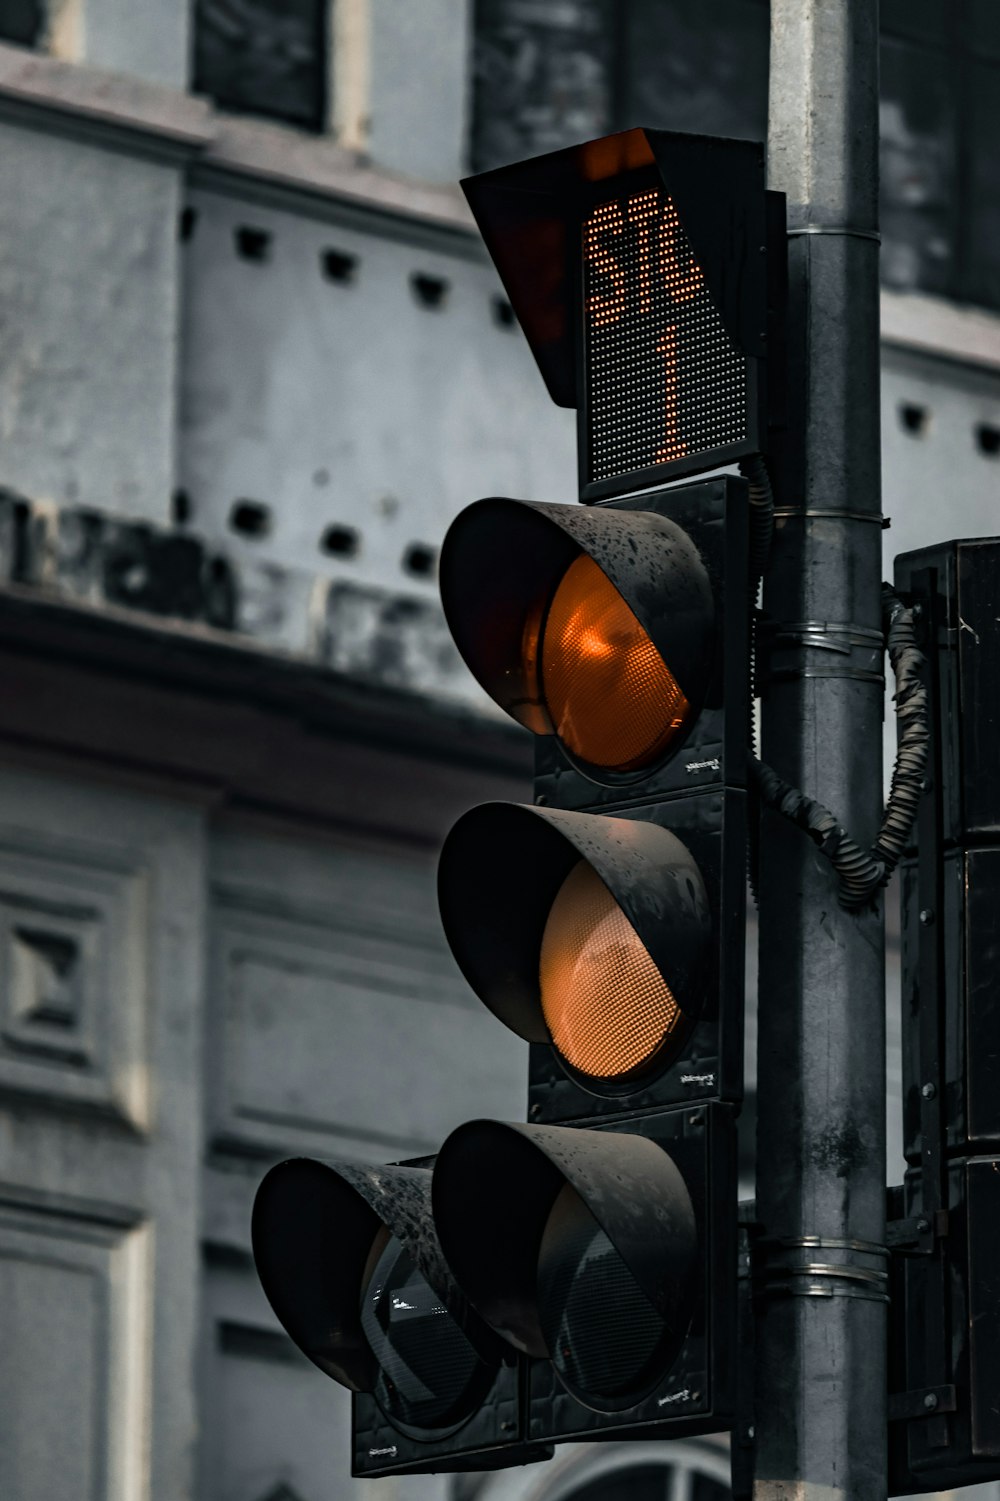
x=664 y=384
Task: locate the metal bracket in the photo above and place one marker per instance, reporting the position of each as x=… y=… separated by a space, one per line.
x=925 y=1402
x=835 y=229
x=832 y=514
x=841 y=637
x=916 y=1235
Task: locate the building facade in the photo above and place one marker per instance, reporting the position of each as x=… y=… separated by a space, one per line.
x=254 y=359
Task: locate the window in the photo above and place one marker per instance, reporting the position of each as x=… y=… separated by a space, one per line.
x=264 y=57
x=21 y=21
x=546 y=76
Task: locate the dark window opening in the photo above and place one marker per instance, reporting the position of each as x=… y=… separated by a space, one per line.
x=220 y=595
x=252 y=244
x=430 y=291
x=21 y=21
x=338 y=265
x=503 y=313
x=546 y=76
x=988 y=439
x=914 y=419
x=186 y=225
x=264 y=57
x=180 y=507
x=340 y=542
x=543 y=77
x=420 y=560
x=251 y=518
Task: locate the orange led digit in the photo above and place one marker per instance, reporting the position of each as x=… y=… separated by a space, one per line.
x=672 y=447
x=681 y=273
x=663 y=379
x=606 y=220
x=641 y=209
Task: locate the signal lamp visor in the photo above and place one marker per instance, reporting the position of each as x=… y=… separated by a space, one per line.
x=350 y=1263
x=589 y=933
x=593 y=625
x=579 y=1246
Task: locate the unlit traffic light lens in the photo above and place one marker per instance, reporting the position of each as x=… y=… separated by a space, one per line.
x=429 y=1374
x=612 y=699
x=606 y=1339
x=606 y=1005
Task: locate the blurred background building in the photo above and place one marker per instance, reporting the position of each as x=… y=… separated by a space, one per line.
x=252 y=361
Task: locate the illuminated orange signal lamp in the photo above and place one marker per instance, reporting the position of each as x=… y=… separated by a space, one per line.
x=596 y=626
x=587 y=933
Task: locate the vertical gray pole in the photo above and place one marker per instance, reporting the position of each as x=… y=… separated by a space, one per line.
x=820 y=1392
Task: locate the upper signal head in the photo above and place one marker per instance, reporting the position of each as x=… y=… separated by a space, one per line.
x=637 y=267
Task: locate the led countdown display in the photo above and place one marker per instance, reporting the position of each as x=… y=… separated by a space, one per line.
x=663 y=380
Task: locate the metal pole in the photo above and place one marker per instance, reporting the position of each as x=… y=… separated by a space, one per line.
x=820 y=1386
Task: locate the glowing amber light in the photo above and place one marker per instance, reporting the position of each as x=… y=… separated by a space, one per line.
x=605 y=1003
x=611 y=698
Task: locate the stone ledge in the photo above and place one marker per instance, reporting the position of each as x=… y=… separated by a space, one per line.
x=50 y=93
x=129 y=569
x=112 y=109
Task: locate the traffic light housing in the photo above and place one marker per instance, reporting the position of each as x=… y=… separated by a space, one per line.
x=585 y=1261
x=350 y=1261
x=661 y=240
x=605 y=925
x=946 y=1316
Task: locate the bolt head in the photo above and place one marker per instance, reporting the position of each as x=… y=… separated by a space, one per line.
x=930 y=1401
x=928 y=1091
x=927 y=917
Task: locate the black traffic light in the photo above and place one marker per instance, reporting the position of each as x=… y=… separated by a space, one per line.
x=946 y=1326
x=350 y=1262
x=639 y=269
x=575 y=1275
x=605 y=923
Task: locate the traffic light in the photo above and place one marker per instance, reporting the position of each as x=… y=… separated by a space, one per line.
x=575 y=1275
x=351 y=1264
x=946 y=1329
x=605 y=923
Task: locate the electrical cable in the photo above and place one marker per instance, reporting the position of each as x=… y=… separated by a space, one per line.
x=863 y=872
